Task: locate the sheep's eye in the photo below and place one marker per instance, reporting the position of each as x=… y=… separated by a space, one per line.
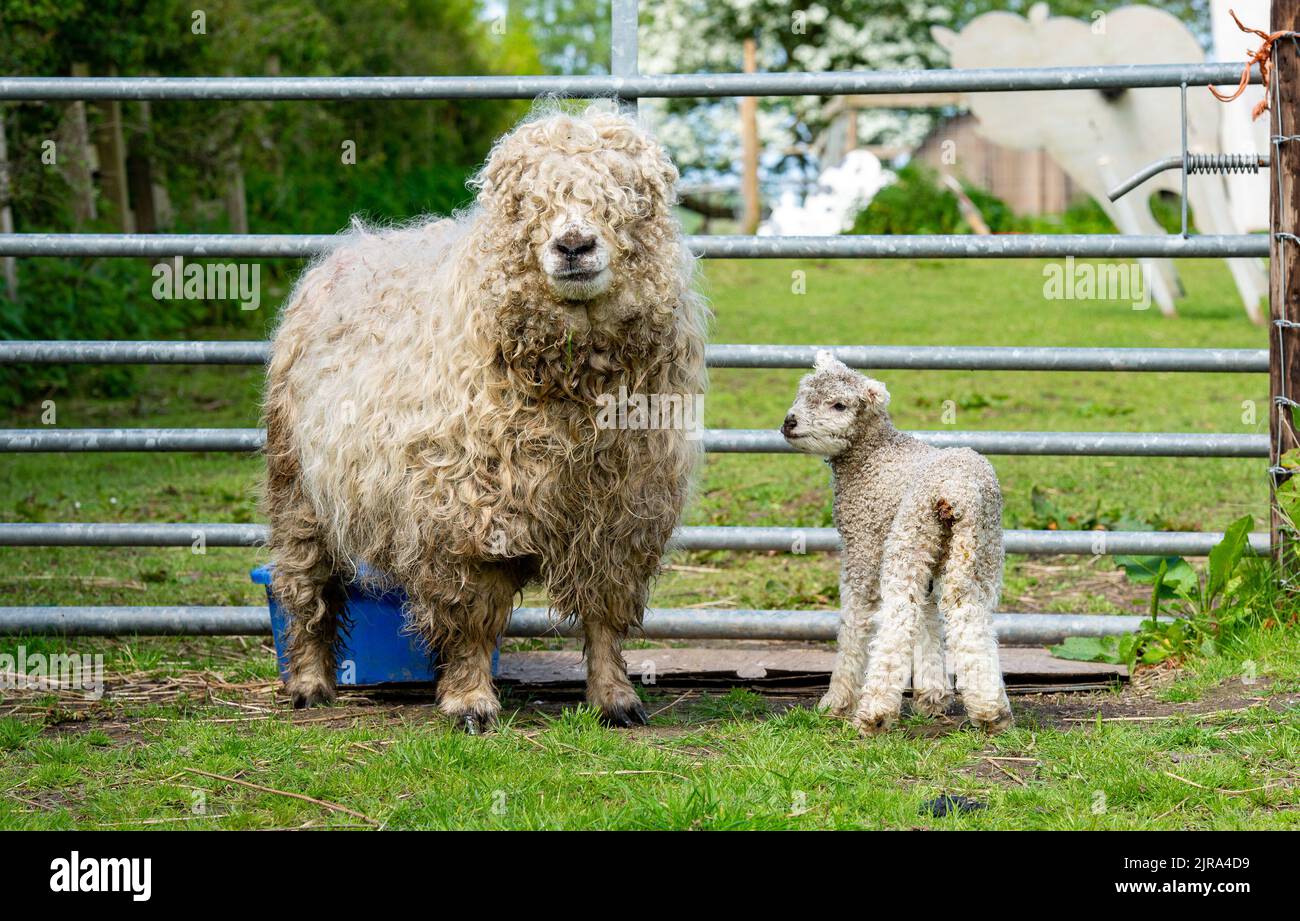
x=838 y=407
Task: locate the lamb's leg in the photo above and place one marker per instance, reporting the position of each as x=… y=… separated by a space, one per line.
x=930 y=693
x=968 y=594
x=465 y=632
x=904 y=586
x=857 y=620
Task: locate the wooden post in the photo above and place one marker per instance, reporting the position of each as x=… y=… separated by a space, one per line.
x=139 y=173
x=75 y=157
x=111 y=143
x=1284 y=258
x=749 y=147
x=7 y=212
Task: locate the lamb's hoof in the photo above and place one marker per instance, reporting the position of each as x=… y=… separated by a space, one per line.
x=624 y=716
x=836 y=704
x=999 y=722
x=304 y=693
x=931 y=703
x=873 y=724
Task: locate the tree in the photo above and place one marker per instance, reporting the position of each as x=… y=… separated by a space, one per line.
x=687 y=36
x=571 y=36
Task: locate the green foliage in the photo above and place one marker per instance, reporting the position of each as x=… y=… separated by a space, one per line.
x=305 y=166
x=572 y=36
x=1083 y=216
x=1288 y=493
x=1206 y=613
x=916 y=202
x=1047 y=515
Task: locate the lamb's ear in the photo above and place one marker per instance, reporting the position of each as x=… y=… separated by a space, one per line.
x=877 y=394
x=825 y=360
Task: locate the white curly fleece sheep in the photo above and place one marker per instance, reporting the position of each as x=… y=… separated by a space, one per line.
x=922 y=534
x=434 y=410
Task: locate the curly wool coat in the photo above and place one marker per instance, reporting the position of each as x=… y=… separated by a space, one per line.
x=922 y=566
x=432 y=411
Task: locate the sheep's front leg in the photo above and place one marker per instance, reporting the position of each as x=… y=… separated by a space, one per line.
x=465 y=630
x=608 y=688
x=305 y=586
x=857 y=622
x=465 y=692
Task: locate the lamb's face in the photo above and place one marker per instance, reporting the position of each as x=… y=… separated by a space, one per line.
x=581 y=192
x=834 y=406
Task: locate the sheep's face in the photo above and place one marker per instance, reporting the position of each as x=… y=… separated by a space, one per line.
x=576 y=199
x=833 y=408
x=575 y=256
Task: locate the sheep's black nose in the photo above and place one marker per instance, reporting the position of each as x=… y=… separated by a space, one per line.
x=789 y=424
x=575 y=243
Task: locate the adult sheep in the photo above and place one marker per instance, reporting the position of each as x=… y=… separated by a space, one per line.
x=434 y=412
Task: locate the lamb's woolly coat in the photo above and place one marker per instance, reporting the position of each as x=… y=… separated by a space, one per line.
x=922 y=534
x=432 y=404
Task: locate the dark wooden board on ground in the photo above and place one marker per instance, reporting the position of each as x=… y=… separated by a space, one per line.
x=1022 y=666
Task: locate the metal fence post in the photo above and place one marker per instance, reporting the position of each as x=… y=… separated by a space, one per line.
x=622 y=47
x=1284 y=263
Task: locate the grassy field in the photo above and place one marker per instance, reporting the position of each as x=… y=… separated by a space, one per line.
x=1198 y=749
x=710 y=759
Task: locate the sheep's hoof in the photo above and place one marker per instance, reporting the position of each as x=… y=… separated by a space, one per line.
x=473 y=720
x=873 y=724
x=624 y=716
x=998 y=723
x=835 y=704
x=304 y=693
x=931 y=703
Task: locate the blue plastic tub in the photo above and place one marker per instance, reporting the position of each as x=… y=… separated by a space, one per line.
x=376 y=651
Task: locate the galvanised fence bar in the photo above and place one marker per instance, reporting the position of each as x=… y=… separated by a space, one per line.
x=917 y=246
x=715 y=441
x=886 y=357
x=753 y=539
x=627 y=85
x=641 y=86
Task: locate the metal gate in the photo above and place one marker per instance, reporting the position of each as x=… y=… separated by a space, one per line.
x=628 y=85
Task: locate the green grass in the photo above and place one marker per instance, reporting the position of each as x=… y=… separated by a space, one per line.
x=718 y=760
x=726 y=760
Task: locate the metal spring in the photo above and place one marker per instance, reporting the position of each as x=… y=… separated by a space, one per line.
x=1222 y=163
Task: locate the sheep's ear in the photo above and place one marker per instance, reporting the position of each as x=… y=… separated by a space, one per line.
x=825 y=360
x=877 y=394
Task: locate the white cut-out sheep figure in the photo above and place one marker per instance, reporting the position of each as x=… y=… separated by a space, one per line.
x=1101 y=137
x=922 y=566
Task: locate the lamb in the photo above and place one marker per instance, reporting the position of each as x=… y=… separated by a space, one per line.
x=434 y=412
x=922 y=534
